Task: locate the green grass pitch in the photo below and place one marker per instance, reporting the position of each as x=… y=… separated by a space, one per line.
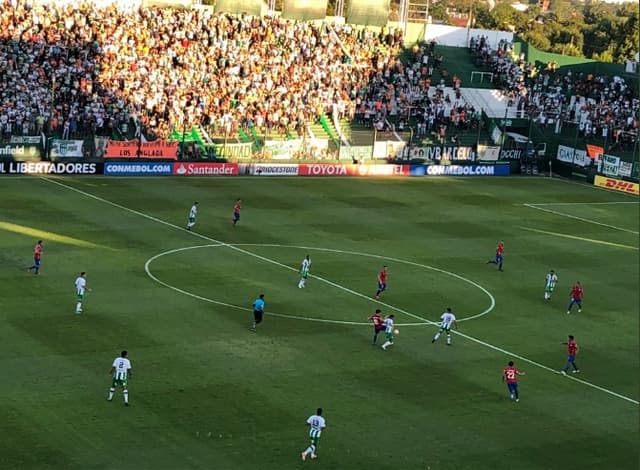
x=208 y=394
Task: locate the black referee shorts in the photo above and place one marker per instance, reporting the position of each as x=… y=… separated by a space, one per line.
x=257 y=316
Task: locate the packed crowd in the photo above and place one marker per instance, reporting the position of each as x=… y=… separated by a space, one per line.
x=82 y=68
x=602 y=107
x=415 y=92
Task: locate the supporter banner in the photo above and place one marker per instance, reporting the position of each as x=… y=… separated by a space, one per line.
x=574 y=156
x=26 y=139
x=565 y=154
x=309 y=169
x=282 y=149
x=58 y=168
x=235 y=151
x=129 y=149
x=383 y=149
x=513 y=154
x=488 y=152
x=610 y=165
x=580 y=158
x=380 y=149
x=443 y=152
x=22 y=152
x=273 y=169
x=101 y=146
x=137 y=169
x=625 y=169
x=496 y=133
x=205 y=169
x=304 y=10
x=66 y=148
x=316 y=145
x=594 y=150
x=356 y=153
x=459 y=170
x=617 y=185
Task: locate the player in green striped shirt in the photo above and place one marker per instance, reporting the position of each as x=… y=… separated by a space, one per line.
x=304 y=271
x=316 y=424
x=121 y=371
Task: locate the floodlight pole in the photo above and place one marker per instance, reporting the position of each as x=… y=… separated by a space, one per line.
x=339 y=8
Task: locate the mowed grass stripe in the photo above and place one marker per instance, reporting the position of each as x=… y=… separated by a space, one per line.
x=274 y=262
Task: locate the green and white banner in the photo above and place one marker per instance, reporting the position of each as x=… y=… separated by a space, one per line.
x=65 y=149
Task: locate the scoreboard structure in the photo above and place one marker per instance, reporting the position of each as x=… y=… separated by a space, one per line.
x=304 y=10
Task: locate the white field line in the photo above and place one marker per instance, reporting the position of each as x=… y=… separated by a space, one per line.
x=579 y=203
x=582 y=219
x=147 y=268
x=584 y=185
x=358 y=294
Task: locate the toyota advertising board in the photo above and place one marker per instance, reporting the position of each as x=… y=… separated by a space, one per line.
x=330 y=169
x=205 y=169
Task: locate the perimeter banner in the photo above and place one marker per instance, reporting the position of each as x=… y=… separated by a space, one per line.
x=617 y=185
x=205 y=169
x=50 y=168
x=332 y=169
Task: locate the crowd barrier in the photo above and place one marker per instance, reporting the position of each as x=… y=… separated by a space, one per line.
x=150 y=168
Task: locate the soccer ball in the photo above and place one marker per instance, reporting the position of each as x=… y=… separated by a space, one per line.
x=396 y=331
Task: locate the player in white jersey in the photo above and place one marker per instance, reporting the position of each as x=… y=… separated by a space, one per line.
x=448 y=320
x=316 y=425
x=121 y=371
x=388 y=331
x=193 y=213
x=81 y=287
x=551 y=280
x=304 y=271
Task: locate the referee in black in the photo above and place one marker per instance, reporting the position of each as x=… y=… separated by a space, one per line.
x=258 y=311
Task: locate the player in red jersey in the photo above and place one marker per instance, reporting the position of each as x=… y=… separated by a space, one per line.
x=382 y=281
x=576 y=297
x=572 y=352
x=37 y=258
x=499 y=255
x=236 y=211
x=510 y=376
x=378 y=324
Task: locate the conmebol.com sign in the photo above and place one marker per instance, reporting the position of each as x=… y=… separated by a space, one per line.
x=137 y=168
x=459 y=170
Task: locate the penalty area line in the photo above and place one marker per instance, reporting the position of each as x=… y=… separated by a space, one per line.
x=582 y=219
x=417 y=317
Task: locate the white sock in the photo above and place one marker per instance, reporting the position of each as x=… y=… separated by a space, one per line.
x=546 y=296
x=79 y=307
x=448 y=339
x=435 y=338
x=111 y=391
x=126 y=395
x=300 y=284
x=386 y=344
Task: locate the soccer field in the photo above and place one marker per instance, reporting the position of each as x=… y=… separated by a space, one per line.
x=207 y=393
